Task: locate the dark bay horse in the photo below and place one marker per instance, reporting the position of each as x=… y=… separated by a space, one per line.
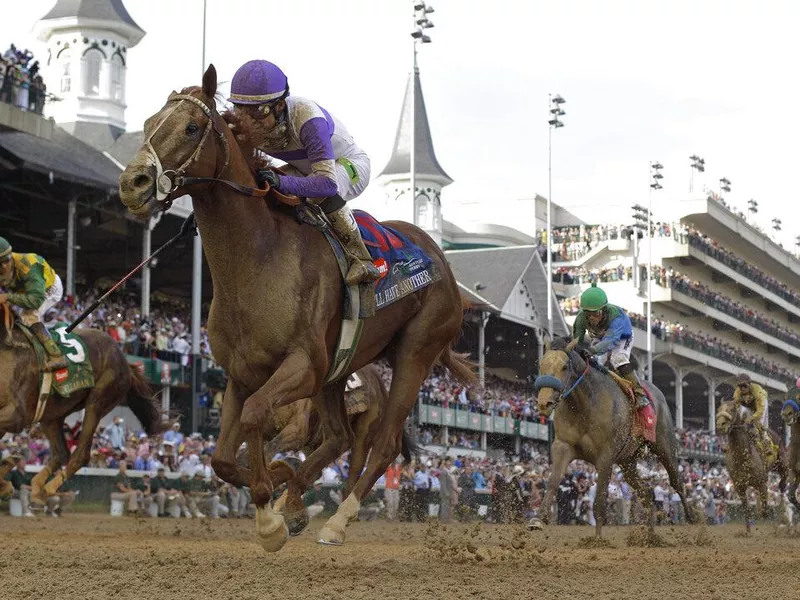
x=116 y=383
x=592 y=417
x=745 y=462
x=790 y=413
x=277 y=306
x=300 y=429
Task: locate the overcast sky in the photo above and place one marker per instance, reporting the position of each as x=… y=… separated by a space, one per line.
x=644 y=80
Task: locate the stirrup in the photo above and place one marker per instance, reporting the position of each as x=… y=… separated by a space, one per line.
x=55 y=363
x=362 y=271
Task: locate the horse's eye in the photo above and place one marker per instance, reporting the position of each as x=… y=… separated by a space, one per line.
x=192 y=128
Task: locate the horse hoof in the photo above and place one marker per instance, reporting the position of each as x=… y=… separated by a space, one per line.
x=535 y=525
x=271 y=530
x=36 y=506
x=330 y=537
x=296 y=522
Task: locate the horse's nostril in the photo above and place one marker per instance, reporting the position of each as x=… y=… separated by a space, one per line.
x=142 y=181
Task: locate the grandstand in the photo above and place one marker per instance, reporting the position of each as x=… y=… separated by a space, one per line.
x=58 y=184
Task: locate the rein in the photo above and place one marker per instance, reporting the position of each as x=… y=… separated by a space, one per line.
x=170 y=180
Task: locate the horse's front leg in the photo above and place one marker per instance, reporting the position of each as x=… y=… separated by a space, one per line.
x=294 y=379
x=563 y=454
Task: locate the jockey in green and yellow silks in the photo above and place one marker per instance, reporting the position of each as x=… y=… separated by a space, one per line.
x=32 y=285
x=611 y=332
x=755 y=398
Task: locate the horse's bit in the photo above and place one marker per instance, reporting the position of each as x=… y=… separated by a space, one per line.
x=169 y=180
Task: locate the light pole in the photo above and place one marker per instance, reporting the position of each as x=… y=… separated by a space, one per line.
x=553 y=121
x=197 y=286
x=752 y=208
x=698 y=164
x=776 y=226
x=655 y=184
x=421 y=22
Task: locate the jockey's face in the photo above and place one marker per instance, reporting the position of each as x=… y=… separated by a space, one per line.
x=265 y=114
x=6 y=270
x=594 y=316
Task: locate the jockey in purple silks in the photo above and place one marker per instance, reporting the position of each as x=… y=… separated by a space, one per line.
x=326 y=166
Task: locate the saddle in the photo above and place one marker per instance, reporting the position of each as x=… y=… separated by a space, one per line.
x=644 y=418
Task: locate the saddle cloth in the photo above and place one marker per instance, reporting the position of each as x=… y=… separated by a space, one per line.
x=403 y=265
x=645 y=418
x=78 y=374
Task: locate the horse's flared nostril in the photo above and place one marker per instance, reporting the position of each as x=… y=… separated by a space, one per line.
x=142 y=181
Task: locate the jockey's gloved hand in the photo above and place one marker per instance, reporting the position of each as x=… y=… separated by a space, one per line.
x=268 y=176
x=600 y=347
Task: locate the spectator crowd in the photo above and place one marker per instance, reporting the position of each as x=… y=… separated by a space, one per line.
x=21 y=84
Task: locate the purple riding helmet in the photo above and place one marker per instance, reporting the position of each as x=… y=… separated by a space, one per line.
x=258 y=82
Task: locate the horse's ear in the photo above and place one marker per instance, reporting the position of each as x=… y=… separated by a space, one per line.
x=210 y=82
x=571 y=346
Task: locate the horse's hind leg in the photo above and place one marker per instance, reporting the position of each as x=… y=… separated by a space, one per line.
x=54 y=431
x=413 y=358
x=337 y=437
x=361 y=445
x=80 y=457
x=667 y=458
x=643 y=493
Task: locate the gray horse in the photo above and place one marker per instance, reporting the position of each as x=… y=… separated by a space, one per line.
x=593 y=418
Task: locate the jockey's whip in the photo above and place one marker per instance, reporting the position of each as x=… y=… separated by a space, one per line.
x=189 y=226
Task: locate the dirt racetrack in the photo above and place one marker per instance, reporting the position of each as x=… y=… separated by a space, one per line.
x=96 y=556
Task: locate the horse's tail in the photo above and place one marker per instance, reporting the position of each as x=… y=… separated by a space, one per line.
x=459 y=364
x=409 y=447
x=144 y=404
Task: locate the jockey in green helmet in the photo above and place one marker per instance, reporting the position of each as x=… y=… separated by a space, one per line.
x=611 y=333
x=30 y=283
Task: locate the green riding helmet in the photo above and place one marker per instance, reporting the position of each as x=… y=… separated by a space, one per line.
x=594 y=299
x=5 y=249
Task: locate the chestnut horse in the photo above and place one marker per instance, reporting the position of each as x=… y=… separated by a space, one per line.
x=115 y=382
x=277 y=308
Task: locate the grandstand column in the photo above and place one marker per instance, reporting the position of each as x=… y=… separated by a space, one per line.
x=146 y=249
x=72 y=209
x=540 y=344
x=483 y=441
x=679 y=397
x=712 y=394
x=445 y=440
x=482 y=347
x=197 y=289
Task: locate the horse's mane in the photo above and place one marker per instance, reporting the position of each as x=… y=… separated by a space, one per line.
x=241 y=128
x=560 y=343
